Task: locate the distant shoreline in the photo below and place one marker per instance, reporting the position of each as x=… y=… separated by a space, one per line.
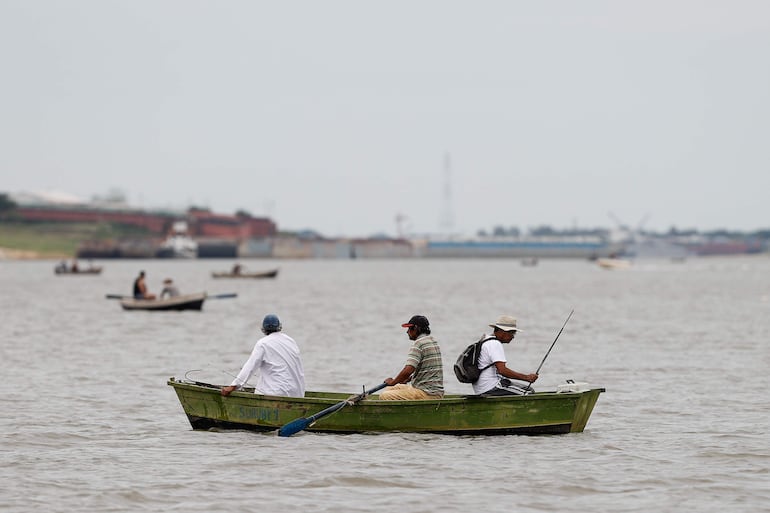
x=22 y=254
x=7 y=253
x=28 y=254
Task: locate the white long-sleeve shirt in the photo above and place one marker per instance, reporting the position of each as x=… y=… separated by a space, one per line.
x=277 y=358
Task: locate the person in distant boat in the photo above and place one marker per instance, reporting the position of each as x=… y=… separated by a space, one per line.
x=495 y=377
x=424 y=367
x=140 y=288
x=276 y=356
x=62 y=267
x=74 y=267
x=169 y=289
x=237 y=268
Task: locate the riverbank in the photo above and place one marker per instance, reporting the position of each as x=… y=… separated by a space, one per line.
x=17 y=254
x=28 y=241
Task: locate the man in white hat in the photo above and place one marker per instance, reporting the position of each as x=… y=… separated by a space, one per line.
x=493 y=363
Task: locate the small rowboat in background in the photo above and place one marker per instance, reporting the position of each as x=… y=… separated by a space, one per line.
x=263 y=274
x=66 y=270
x=182 y=302
x=613 y=263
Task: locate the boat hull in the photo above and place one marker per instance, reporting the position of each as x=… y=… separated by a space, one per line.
x=536 y=414
x=185 y=302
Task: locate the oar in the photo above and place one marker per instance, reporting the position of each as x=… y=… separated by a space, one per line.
x=552 y=344
x=295 y=426
x=118 y=296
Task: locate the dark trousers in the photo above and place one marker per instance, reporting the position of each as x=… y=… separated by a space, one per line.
x=508 y=387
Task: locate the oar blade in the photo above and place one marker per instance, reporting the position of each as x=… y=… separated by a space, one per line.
x=295 y=426
x=222 y=296
x=115 y=296
x=298 y=425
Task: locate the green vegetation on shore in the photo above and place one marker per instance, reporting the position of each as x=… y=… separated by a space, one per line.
x=59 y=240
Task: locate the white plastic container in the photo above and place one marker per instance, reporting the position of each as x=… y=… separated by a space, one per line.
x=579 y=386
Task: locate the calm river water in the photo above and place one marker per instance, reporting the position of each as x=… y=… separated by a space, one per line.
x=683 y=349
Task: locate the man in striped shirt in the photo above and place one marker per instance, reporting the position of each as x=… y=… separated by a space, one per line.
x=423 y=368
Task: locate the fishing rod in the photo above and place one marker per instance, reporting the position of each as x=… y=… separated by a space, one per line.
x=552 y=344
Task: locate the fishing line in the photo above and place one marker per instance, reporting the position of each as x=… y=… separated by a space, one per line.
x=209 y=384
x=236 y=377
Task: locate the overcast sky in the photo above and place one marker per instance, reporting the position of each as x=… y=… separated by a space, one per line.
x=338 y=115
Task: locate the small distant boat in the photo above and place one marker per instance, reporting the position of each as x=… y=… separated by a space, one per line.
x=540 y=413
x=229 y=274
x=529 y=262
x=613 y=263
x=182 y=302
x=68 y=270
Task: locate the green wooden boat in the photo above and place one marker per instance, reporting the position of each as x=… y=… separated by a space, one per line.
x=534 y=414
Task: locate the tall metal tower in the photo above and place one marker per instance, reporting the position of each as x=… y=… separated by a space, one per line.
x=400 y=220
x=446 y=219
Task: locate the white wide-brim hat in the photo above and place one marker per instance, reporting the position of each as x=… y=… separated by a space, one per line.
x=505 y=323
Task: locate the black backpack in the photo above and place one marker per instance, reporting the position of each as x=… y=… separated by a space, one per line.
x=467 y=365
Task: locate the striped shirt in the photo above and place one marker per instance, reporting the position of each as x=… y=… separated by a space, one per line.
x=425 y=357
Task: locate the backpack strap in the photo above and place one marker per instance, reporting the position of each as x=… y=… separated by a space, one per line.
x=479 y=344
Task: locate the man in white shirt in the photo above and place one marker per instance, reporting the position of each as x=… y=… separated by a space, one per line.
x=276 y=355
x=493 y=363
x=169 y=289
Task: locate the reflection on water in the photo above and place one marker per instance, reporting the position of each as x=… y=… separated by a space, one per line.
x=682 y=349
